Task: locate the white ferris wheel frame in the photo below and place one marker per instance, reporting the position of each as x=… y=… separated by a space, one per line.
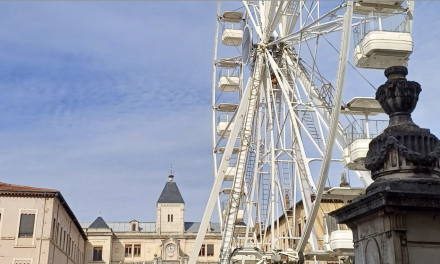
x=247 y=111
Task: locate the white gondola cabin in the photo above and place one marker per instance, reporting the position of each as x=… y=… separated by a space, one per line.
x=229 y=79
x=338 y=238
x=232 y=28
x=365 y=7
x=225 y=124
x=360 y=132
x=382 y=40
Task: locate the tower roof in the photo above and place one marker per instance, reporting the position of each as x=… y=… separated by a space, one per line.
x=170 y=193
x=99 y=223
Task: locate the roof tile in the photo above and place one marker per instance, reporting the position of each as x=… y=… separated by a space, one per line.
x=13 y=187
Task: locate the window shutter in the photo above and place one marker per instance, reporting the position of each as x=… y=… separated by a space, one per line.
x=26 y=225
x=210 y=250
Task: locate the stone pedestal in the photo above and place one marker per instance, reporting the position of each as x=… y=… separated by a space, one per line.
x=397 y=220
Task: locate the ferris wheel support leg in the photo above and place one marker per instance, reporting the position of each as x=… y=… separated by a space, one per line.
x=245 y=142
x=214 y=75
x=267 y=86
x=241 y=111
x=305 y=177
x=334 y=122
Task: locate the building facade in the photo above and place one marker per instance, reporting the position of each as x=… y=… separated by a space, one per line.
x=38 y=227
x=167 y=240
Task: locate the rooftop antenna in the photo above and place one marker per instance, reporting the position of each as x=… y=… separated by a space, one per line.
x=171 y=174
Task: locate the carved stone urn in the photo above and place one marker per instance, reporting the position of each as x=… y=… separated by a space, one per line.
x=403 y=150
x=398 y=97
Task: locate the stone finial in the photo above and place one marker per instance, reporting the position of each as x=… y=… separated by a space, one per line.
x=398 y=97
x=403 y=150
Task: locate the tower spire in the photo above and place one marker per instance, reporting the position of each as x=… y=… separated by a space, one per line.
x=171 y=174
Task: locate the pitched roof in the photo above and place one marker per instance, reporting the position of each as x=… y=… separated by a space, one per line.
x=194 y=227
x=12 y=187
x=99 y=223
x=144 y=227
x=170 y=193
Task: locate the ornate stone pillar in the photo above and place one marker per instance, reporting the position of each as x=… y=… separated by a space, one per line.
x=397 y=220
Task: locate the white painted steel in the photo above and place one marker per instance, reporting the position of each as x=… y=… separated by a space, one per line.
x=334 y=123
x=287 y=120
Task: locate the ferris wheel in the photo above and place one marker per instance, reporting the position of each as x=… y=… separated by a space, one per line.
x=279 y=124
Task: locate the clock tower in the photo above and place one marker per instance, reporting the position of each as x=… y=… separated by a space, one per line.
x=170 y=249
x=170 y=210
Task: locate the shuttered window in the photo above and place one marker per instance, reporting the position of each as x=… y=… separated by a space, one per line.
x=210 y=250
x=26 y=225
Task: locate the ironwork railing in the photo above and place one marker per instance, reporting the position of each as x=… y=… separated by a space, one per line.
x=358 y=129
x=229 y=72
x=376 y=21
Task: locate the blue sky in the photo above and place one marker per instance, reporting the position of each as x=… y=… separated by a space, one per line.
x=97 y=99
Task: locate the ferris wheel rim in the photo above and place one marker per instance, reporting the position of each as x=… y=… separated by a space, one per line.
x=262 y=28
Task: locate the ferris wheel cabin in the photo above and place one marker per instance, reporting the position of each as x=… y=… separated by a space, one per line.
x=229 y=75
x=383 y=38
x=224 y=120
x=360 y=132
x=233 y=28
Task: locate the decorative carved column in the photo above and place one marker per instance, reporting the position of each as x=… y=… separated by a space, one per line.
x=397 y=220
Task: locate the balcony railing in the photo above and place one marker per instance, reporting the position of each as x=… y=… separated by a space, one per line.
x=364 y=129
x=375 y=21
x=229 y=72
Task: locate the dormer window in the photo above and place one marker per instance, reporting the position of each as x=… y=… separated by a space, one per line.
x=134 y=226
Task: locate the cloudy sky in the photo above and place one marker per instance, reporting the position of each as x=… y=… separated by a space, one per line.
x=97 y=99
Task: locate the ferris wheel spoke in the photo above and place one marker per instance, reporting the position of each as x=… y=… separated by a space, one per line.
x=275 y=128
x=333 y=124
x=254 y=21
x=281 y=10
x=312 y=27
x=309 y=12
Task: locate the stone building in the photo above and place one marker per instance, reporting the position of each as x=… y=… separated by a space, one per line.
x=38 y=227
x=167 y=240
x=334 y=198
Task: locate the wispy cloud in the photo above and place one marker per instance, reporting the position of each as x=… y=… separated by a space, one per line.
x=97 y=99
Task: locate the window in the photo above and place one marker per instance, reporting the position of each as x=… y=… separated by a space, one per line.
x=68 y=245
x=133 y=227
x=65 y=240
x=60 y=234
x=97 y=253
x=128 y=250
x=26 y=225
x=202 y=251
x=137 y=250
x=210 y=250
x=54 y=229
x=170 y=218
